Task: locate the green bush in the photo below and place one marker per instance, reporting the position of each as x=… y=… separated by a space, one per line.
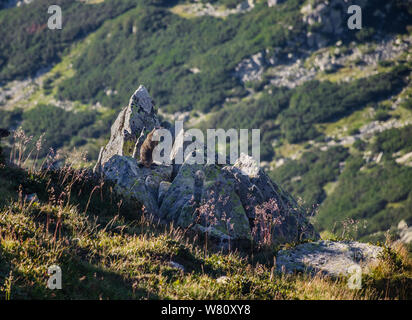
x=407 y=104
x=394 y=140
x=365 y=196
x=382 y=115
x=307 y=176
x=31 y=46
x=257 y=113
x=164 y=49
x=58 y=125
x=317 y=102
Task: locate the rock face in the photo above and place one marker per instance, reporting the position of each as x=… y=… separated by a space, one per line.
x=328 y=257
x=257 y=192
x=405 y=232
x=233 y=204
x=207 y=9
x=227 y=202
x=251 y=69
x=139 y=115
x=331 y=17
x=272 y=3
x=203 y=198
x=135 y=182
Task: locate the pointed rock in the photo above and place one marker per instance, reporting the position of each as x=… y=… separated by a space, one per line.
x=138 y=115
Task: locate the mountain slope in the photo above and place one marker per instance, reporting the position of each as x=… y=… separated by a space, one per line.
x=320 y=93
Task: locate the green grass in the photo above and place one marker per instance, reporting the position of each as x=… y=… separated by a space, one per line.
x=109 y=249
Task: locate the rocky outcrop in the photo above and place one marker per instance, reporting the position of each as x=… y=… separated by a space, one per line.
x=232 y=204
x=405 y=232
x=333 y=258
x=228 y=201
x=137 y=118
x=291 y=75
x=203 y=198
x=136 y=182
x=272 y=3
x=251 y=69
x=364 y=57
x=327 y=18
x=259 y=193
x=207 y=9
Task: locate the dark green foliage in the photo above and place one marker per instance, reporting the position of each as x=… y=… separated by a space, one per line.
x=31 y=46
x=360 y=145
x=365 y=34
x=12 y=179
x=254 y=114
x=394 y=140
x=297 y=110
x=58 y=125
x=365 y=195
x=307 y=176
x=317 y=102
x=397 y=16
x=407 y=104
x=368 y=194
x=227 y=3
x=382 y=115
x=10 y=119
x=166 y=46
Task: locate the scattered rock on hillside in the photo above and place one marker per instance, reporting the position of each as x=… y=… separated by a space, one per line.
x=208 y=9
x=327 y=257
x=251 y=69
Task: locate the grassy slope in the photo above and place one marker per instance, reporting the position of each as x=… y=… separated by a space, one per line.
x=197 y=55
x=111 y=250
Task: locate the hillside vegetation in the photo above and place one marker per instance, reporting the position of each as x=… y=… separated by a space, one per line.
x=109 y=249
x=334 y=109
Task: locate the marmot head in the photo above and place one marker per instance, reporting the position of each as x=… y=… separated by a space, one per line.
x=154 y=136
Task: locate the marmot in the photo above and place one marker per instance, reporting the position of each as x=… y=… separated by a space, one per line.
x=146 y=151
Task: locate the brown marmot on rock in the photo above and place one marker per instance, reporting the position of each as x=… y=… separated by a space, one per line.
x=146 y=151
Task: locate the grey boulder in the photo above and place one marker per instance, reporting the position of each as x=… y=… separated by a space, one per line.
x=332 y=258
x=223 y=201
x=135 y=182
